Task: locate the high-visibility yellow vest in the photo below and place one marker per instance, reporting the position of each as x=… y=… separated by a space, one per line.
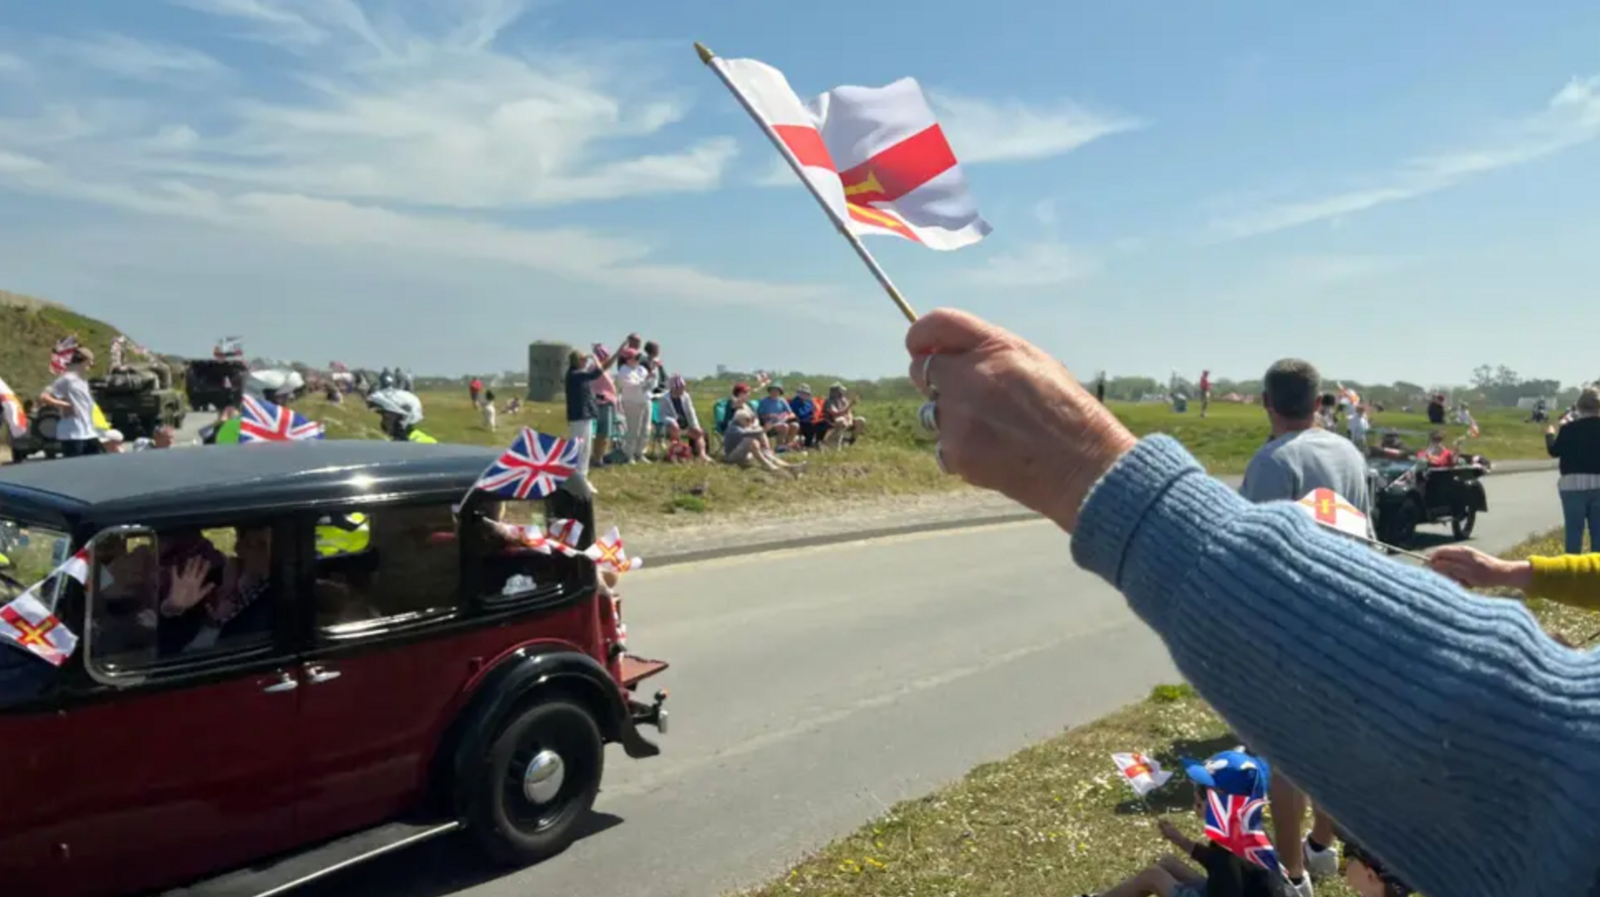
x=101 y=424
x=343 y=534
x=419 y=436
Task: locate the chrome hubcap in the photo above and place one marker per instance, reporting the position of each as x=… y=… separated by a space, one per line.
x=541 y=781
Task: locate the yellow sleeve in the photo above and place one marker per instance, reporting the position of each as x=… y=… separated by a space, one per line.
x=1569 y=579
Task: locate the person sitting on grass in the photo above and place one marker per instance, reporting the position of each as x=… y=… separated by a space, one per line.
x=686 y=441
x=1230 y=774
x=777 y=418
x=808 y=412
x=843 y=423
x=745 y=442
x=1367 y=875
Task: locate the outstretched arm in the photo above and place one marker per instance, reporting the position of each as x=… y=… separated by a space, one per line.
x=1457 y=711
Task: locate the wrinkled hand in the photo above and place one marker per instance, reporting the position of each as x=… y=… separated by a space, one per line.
x=1013 y=419
x=1476 y=570
x=189 y=586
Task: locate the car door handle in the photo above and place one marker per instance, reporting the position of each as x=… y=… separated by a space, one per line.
x=318 y=674
x=285 y=683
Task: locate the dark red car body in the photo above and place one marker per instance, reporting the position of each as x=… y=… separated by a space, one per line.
x=316 y=751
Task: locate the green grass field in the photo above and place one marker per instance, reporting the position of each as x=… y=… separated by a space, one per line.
x=1054 y=820
x=28 y=332
x=895 y=457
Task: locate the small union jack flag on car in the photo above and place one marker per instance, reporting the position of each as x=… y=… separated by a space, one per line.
x=533 y=467
x=261 y=421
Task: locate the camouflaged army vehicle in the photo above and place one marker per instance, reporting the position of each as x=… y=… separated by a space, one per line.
x=138 y=398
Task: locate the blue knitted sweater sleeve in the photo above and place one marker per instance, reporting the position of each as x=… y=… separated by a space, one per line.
x=1442 y=729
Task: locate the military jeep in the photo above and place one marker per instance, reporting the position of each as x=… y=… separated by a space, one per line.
x=138 y=398
x=215 y=383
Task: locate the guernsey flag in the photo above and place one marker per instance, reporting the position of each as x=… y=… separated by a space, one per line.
x=875 y=155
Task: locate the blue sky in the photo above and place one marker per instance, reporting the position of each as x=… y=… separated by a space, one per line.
x=1391 y=190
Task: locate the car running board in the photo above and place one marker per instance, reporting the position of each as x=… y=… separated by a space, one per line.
x=282 y=876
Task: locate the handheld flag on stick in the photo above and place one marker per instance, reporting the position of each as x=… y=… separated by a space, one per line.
x=1142 y=774
x=30 y=623
x=875 y=159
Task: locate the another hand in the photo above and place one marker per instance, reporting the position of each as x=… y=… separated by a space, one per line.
x=1170 y=832
x=1476 y=570
x=1013 y=419
x=189 y=586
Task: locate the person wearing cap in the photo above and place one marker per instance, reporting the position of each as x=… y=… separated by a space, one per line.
x=1232 y=774
x=70 y=393
x=777 y=418
x=808 y=413
x=839 y=411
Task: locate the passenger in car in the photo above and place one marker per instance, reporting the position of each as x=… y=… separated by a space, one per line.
x=198 y=613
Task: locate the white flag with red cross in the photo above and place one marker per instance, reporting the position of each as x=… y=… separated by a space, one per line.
x=612 y=556
x=1331 y=510
x=875 y=156
x=1142 y=774
x=30 y=624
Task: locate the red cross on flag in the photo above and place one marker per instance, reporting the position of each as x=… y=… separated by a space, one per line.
x=612 y=556
x=874 y=156
x=27 y=622
x=1331 y=510
x=1142 y=774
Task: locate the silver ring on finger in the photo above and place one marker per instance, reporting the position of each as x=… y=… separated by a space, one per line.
x=928 y=416
x=927 y=377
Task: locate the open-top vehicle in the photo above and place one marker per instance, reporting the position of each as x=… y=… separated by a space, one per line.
x=369 y=665
x=215 y=383
x=1408 y=492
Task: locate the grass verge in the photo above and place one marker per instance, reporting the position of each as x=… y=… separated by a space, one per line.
x=1054 y=820
x=895 y=457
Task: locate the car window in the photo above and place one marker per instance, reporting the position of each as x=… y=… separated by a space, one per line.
x=384 y=564
x=181 y=596
x=27 y=555
x=504 y=556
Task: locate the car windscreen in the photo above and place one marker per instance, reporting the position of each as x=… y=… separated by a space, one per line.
x=27 y=555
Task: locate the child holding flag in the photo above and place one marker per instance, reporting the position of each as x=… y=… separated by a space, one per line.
x=1230 y=794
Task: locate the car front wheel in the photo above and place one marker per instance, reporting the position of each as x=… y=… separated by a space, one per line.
x=1463 y=523
x=537 y=783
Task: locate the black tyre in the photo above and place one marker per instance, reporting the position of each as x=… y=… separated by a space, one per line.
x=528 y=795
x=1401 y=523
x=1461 y=525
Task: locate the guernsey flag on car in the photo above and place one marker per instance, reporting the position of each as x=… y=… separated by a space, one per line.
x=875 y=155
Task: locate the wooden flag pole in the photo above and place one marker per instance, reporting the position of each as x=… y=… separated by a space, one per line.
x=708 y=57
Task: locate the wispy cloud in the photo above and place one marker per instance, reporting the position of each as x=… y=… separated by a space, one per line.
x=1328 y=269
x=1007 y=130
x=1570 y=118
x=1047 y=263
x=127 y=57
x=434 y=142
x=1044 y=212
x=12 y=65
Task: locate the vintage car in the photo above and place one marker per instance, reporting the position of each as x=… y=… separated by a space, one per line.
x=380 y=665
x=1408 y=492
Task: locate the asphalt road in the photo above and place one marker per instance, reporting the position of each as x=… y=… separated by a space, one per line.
x=812 y=688
x=193 y=423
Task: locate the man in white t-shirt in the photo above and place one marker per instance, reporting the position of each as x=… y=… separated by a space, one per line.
x=1360 y=426
x=70 y=393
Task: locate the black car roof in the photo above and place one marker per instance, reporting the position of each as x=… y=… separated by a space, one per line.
x=200 y=480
